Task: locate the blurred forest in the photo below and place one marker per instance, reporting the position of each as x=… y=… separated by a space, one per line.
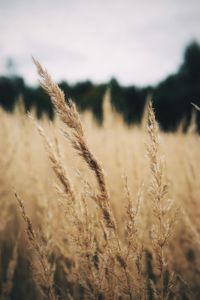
x=172 y=97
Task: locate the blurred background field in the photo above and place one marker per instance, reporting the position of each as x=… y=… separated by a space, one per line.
x=122 y=152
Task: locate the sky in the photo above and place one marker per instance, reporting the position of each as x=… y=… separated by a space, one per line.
x=137 y=42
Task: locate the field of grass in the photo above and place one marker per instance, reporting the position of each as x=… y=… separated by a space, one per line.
x=89 y=212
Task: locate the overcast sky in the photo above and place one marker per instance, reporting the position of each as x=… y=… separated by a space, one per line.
x=138 y=42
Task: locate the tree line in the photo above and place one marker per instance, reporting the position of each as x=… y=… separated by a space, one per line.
x=172 y=96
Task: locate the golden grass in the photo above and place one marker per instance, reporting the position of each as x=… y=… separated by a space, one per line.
x=130 y=231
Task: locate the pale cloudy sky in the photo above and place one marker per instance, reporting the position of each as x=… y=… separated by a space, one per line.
x=138 y=42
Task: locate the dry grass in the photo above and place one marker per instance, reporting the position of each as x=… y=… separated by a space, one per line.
x=129 y=232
